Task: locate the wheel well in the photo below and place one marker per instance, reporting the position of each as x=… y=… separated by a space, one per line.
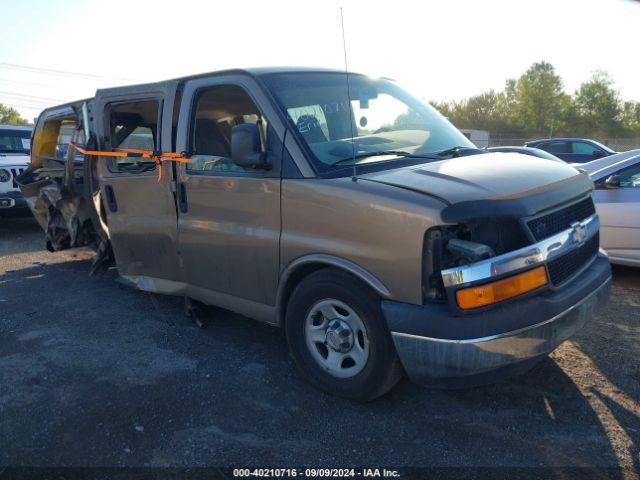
x=300 y=274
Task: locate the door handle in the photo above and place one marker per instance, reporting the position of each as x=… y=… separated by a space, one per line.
x=111 y=198
x=182 y=198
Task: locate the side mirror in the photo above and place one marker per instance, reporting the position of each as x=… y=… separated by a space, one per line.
x=612 y=181
x=597 y=154
x=246 y=147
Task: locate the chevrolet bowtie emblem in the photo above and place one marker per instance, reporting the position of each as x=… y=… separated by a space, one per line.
x=578 y=233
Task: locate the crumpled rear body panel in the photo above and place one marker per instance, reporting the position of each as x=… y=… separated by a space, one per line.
x=63 y=217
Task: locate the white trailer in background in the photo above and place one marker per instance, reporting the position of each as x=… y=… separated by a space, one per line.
x=479 y=137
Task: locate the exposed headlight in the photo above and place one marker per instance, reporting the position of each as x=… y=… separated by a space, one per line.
x=5 y=176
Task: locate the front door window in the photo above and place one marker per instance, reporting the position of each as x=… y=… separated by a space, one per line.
x=219 y=109
x=630 y=177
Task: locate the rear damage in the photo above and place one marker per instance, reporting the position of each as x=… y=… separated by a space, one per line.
x=58 y=185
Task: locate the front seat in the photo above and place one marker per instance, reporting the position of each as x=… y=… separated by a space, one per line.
x=209 y=140
x=309 y=127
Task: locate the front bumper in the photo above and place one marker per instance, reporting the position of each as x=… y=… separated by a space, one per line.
x=440 y=349
x=13 y=203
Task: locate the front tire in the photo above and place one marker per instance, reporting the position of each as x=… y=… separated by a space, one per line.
x=338 y=336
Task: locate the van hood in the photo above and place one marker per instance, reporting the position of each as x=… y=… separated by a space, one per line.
x=490 y=184
x=12 y=159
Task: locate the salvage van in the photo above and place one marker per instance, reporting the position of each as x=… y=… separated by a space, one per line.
x=336 y=206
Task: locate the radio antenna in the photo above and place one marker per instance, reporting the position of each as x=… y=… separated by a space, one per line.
x=351 y=120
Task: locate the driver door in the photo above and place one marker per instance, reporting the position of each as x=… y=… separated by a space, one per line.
x=229 y=216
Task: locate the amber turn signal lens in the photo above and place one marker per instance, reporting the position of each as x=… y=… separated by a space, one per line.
x=482 y=295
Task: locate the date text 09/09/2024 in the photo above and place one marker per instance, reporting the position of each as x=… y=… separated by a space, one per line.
x=315 y=473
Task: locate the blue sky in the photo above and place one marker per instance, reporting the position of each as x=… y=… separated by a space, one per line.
x=439 y=49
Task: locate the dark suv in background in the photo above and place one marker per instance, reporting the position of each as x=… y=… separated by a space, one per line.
x=572 y=150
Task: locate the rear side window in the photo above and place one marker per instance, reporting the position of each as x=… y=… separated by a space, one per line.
x=134 y=125
x=14 y=141
x=557 y=147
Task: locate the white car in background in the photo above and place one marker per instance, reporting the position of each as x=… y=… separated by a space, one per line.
x=617 y=199
x=14 y=159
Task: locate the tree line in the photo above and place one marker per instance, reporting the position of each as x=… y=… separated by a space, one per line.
x=536 y=105
x=10 y=116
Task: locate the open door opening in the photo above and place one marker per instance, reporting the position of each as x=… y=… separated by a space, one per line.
x=53 y=185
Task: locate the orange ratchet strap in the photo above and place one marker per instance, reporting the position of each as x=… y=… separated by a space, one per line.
x=157 y=157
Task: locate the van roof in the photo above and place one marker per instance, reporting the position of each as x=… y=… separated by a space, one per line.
x=28 y=128
x=254 y=72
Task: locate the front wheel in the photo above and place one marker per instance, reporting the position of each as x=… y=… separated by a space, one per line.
x=338 y=336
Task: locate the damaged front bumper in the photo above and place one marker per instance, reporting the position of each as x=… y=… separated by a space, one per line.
x=438 y=348
x=13 y=204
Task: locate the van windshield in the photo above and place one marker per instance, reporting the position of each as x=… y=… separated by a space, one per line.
x=386 y=122
x=14 y=141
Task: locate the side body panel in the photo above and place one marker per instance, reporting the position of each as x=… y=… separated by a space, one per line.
x=377 y=227
x=229 y=237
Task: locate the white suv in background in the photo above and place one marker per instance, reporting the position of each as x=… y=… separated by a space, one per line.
x=14 y=159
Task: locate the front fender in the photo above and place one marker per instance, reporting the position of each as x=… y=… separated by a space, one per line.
x=319 y=260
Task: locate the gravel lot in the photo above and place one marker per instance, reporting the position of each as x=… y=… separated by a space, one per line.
x=95 y=374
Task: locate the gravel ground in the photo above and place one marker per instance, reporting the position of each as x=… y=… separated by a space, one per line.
x=95 y=374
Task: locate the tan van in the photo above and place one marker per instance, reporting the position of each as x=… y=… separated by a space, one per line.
x=340 y=208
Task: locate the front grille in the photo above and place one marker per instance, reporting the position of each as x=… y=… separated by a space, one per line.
x=556 y=222
x=14 y=173
x=563 y=267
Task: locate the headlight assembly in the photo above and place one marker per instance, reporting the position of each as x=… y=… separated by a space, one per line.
x=5 y=176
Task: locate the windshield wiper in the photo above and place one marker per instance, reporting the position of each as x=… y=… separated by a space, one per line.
x=399 y=153
x=371 y=154
x=455 y=151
